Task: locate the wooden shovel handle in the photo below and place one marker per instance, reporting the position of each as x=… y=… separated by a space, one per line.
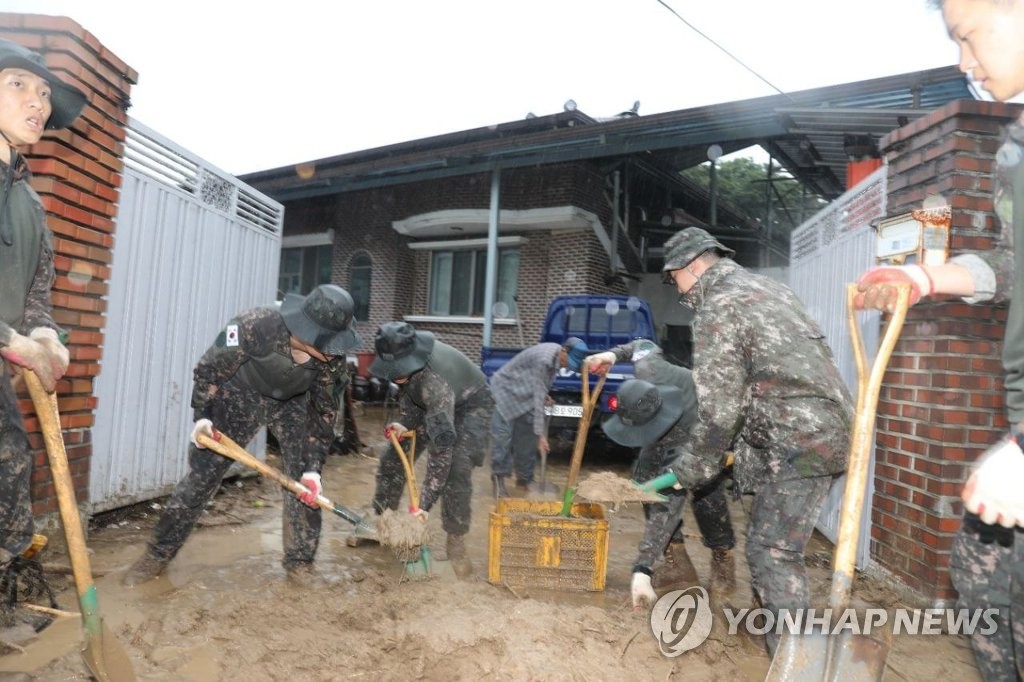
x=232 y=450
x=49 y=419
x=410 y=473
x=868 y=387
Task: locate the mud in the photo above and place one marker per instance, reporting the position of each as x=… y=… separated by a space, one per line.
x=611 y=488
x=224 y=609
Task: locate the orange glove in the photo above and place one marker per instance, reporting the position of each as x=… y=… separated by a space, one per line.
x=876 y=293
x=311 y=481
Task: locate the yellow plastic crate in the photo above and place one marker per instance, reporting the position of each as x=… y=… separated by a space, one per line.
x=532 y=545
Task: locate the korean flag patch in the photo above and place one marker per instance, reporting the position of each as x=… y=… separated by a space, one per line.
x=231 y=335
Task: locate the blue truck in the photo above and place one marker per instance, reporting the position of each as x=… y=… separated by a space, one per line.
x=602 y=321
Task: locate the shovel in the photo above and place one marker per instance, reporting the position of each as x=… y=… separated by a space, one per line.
x=582 y=430
x=410 y=479
x=104 y=656
x=232 y=450
x=847 y=656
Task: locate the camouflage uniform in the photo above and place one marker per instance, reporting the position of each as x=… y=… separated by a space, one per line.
x=255 y=383
x=26 y=275
x=450 y=402
x=769 y=390
x=987 y=563
x=665 y=519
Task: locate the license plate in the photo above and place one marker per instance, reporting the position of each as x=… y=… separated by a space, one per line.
x=564 y=411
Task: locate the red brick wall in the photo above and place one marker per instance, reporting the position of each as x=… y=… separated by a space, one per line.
x=77 y=173
x=942 y=399
x=551 y=262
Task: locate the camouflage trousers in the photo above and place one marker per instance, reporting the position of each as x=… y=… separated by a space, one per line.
x=665 y=519
x=987 y=569
x=15 y=472
x=244 y=414
x=472 y=424
x=514 y=446
x=780 y=524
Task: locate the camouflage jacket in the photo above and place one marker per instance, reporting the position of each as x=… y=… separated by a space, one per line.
x=1008 y=281
x=432 y=398
x=767 y=385
x=26 y=263
x=253 y=354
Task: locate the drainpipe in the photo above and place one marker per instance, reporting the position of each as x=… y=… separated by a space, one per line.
x=491 y=276
x=614 y=250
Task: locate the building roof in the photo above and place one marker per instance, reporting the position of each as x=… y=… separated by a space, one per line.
x=812 y=133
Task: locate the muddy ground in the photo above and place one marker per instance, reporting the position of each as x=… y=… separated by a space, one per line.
x=224 y=610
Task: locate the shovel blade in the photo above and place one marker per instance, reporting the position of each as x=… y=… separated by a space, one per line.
x=104 y=656
x=818 y=657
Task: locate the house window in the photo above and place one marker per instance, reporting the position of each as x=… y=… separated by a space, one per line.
x=361 y=271
x=457 y=280
x=303 y=269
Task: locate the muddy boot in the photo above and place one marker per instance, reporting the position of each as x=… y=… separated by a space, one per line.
x=146 y=568
x=499 y=486
x=677 y=571
x=524 y=488
x=723 y=572
x=456 y=550
x=305 y=575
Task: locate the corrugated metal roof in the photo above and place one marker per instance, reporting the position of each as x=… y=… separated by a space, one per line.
x=807 y=131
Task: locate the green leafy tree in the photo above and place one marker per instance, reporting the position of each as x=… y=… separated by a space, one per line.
x=743 y=184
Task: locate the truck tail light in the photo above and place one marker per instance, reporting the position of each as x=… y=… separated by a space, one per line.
x=613 y=403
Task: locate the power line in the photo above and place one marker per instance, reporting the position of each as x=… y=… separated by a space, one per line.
x=725 y=51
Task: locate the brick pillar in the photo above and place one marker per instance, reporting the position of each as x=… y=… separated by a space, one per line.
x=77 y=173
x=942 y=399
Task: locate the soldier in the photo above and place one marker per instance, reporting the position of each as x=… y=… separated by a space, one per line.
x=987 y=562
x=768 y=390
x=279 y=368
x=657 y=417
x=32 y=99
x=520 y=389
x=445 y=395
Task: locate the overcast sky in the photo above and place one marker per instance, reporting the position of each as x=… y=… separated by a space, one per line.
x=247 y=87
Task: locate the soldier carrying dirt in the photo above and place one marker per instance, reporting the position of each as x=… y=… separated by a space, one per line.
x=446 y=395
x=278 y=368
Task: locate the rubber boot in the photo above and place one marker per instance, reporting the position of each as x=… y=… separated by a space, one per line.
x=145 y=568
x=499 y=486
x=677 y=570
x=455 y=546
x=723 y=572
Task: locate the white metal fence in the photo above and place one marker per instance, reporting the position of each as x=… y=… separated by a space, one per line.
x=192 y=247
x=828 y=251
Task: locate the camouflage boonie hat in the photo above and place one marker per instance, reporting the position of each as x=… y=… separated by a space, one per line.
x=401 y=350
x=322 y=319
x=685 y=245
x=644 y=414
x=66 y=101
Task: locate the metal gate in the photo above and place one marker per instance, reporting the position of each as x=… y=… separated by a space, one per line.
x=193 y=246
x=828 y=251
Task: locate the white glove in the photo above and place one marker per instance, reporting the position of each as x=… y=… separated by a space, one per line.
x=311 y=481
x=600 y=362
x=420 y=514
x=875 y=290
x=59 y=355
x=995 y=491
x=202 y=427
x=643 y=594
x=26 y=352
x=395 y=428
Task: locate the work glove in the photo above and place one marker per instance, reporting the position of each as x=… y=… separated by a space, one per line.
x=59 y=355
x=420 y=514
x=600 y=363
x=202 y=427
x=394 y=428
x=642 y=592
x=311 y=481
x=995 y=490
x=25 y=352
x=875 y=290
